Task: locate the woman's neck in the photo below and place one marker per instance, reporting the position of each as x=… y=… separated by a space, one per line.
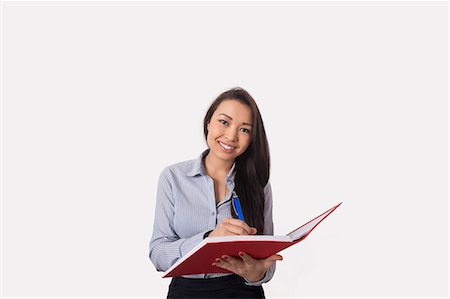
x=217 y=167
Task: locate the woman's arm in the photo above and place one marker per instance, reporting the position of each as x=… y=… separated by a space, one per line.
x=268 y=230
x=166 y=247
x=254 y=271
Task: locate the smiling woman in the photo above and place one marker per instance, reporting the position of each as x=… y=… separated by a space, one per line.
x=237 y=161
x=232 y=135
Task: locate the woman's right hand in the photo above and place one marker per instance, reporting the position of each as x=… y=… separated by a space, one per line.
x=232 y=227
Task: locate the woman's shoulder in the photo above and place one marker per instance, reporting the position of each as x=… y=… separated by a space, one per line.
x=267 y=188
x=183 y=168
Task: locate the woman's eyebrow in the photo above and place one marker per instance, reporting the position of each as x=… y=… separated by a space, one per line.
x=232 y=119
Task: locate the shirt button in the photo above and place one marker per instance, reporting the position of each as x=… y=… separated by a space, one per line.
x=213 y=213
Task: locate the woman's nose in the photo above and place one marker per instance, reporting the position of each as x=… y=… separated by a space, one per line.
x=231 y=134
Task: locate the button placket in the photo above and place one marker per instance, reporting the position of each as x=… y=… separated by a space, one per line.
x=230 y=185
x=213 y=219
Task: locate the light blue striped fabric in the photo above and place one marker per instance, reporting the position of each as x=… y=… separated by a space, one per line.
x=186 y=208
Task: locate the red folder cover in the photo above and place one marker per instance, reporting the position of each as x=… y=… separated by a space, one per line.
x=200 y=258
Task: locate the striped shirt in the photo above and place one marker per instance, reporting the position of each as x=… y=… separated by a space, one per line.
x=186 y=209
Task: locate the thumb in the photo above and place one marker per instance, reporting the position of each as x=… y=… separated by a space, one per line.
x=272 y=259
x=275 y=257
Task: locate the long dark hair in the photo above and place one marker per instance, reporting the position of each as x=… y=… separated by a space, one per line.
x=252 y=169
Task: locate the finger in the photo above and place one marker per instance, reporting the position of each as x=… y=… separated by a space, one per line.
x=237 y=230
x=230 y=259
x=225 y=229
x=248 y=259
x=237 y=223
x=223 y=265
x=218 y=262
x=233 y=264
x=250 y=231
x=224 y=262
x=275 y=257
x=230 y=232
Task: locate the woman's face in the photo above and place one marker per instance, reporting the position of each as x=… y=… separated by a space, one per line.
x=230 y=125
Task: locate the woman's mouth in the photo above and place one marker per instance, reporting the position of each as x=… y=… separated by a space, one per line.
x=226 y=148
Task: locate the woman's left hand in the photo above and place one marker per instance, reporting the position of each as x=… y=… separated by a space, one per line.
x=247 y=267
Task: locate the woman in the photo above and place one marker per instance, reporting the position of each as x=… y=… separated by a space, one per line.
x=193 y=202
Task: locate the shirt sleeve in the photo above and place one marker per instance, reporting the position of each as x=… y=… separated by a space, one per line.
x=166 y=247
x=268 y=230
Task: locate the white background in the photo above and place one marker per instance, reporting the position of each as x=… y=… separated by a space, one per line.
x=97 y=98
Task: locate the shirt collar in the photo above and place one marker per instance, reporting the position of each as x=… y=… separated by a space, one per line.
x=197 y=167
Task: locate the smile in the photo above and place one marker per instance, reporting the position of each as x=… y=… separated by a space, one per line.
x=226 y=148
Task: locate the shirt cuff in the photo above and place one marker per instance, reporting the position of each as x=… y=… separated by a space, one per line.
x=256 y=283
x=190 y=243
x=267 y=276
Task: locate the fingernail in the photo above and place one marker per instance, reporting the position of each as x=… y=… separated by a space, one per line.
x=225 y=258
x=241 y=253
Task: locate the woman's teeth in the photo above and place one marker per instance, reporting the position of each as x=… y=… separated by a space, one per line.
x=226 y=147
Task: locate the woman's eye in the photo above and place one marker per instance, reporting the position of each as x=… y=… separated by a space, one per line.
x=224 y=122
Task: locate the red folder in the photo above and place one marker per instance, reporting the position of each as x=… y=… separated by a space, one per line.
x=199 y=260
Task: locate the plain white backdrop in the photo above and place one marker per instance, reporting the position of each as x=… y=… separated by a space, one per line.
x=98 y=97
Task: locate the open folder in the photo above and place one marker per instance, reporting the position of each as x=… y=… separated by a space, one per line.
x=199 y=260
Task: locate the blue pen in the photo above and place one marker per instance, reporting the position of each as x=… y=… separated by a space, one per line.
x=237 y=207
